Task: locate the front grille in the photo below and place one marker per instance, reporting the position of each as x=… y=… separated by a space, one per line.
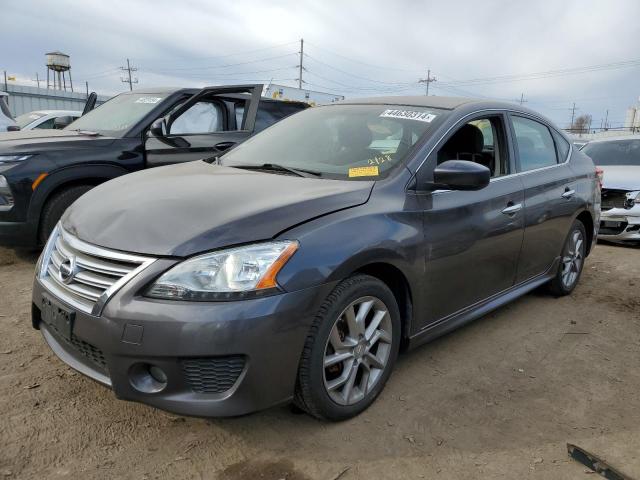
x=212 y=374
x=613 y=198
x=90 y=274
x=612 y=228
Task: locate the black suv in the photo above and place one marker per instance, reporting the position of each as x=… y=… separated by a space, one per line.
x=42 y=173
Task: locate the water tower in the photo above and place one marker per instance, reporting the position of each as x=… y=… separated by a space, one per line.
x=58 y=63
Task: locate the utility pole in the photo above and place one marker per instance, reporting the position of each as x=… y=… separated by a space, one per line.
x=573 y=114
x=300 y=65
x=522 y=100
x=606 y=119
x=428 y=80
x=128 y=78
x=87 y=85
x=6 y=87
x=38 y=79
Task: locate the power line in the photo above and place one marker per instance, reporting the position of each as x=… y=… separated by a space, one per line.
x=207 y=67
x=357 y=76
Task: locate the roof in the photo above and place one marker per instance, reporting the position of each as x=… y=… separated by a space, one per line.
x=448 y=103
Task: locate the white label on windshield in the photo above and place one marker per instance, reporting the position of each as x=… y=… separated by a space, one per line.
x=409 y=114
x=148 y=100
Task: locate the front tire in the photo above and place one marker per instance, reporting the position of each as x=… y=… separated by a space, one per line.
x=574 y=253
x=56 y=206
x=350 y=350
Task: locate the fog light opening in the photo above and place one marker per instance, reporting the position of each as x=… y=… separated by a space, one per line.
x=147 y=378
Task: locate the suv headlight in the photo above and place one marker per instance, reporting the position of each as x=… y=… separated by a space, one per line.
x=14 y=158
x=225 y=274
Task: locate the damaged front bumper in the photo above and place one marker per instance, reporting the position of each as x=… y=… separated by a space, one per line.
x=620 y=225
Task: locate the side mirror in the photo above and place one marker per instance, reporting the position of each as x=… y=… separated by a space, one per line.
x=61 y=122
x=13 y=128
x=461 y=175
x=158 y=128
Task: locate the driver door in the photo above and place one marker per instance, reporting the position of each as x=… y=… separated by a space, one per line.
x=473 y=238
x=205 y=125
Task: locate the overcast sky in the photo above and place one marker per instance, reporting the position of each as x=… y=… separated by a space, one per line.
x=353 y=47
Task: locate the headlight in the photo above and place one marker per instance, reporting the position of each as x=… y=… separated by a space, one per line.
x=226 y=274
x=632 y=198
x=14 y=158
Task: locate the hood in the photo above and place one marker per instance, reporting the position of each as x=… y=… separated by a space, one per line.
x=189 y=208
x=39 y=140
x=621 y=177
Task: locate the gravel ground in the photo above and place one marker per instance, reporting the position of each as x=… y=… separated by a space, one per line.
x=496 y=399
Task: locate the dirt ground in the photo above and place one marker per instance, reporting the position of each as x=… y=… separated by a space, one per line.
x=499 y=398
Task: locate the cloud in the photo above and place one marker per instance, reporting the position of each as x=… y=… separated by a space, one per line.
x=355 y=47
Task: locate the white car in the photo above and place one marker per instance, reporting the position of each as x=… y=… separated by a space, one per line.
x=6 y=120
x=619 y=158
x=45 y=118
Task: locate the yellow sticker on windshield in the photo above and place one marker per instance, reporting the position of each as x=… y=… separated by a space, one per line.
x=363 y=171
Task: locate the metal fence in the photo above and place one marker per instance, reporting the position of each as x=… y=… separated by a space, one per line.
x=23 y=99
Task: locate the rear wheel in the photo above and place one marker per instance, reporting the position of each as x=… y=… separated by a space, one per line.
x=56 y=206
x=350 y=350
x=571 y=262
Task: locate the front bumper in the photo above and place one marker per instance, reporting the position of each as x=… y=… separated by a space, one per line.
x=189 y=341
x=620 y=225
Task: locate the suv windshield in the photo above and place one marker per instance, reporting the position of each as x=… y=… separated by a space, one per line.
x=614 y=152
x=347 y=142
x=119 y=114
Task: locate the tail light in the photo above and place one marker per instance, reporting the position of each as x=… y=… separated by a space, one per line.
x=599 y=176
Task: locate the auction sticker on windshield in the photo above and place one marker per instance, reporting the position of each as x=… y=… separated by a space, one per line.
x=148 y=100
x=408 y=114
x=363 y=171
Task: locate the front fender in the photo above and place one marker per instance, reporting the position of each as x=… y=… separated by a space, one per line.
x=90 y=174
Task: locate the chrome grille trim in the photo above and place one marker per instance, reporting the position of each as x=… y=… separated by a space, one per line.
x=99 y=273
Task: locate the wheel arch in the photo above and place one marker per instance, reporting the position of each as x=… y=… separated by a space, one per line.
x=587 y=220
x=66 y=178
x=396 y=280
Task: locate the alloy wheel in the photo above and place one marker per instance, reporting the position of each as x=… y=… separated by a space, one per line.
x=572 y=259
x=357 y=350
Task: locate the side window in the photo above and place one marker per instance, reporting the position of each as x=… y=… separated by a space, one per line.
x=265 y=117
x=46 y=124
x=202 y=117
x=239 y=108
x=562 y=146
x=536 y=148
x=481 y=141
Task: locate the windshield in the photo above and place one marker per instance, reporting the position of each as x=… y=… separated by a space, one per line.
x=614 y=152
x=26 y=118
x=347 y=142
x=119 y=114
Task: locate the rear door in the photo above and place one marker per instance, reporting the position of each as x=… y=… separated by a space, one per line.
x=204 y=125
x=549 y=194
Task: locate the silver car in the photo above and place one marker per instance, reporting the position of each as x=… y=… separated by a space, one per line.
x=619 y=158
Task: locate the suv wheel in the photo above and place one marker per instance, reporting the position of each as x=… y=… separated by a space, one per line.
x=571 y=262
x=350 y=350
x=56 y=206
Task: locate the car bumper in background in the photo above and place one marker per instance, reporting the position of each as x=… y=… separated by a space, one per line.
x=17 y=234
x=219 y=359
x=620 y=225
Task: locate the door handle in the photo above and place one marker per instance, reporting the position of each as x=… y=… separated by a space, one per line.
x=224 y=145
x=568 y=193
x=512 y=209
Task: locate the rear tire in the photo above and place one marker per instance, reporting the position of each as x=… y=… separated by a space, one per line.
x=574 y=253
x=350 y=350
x=56 y=206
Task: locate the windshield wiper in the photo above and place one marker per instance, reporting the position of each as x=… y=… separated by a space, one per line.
x=300 y=172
